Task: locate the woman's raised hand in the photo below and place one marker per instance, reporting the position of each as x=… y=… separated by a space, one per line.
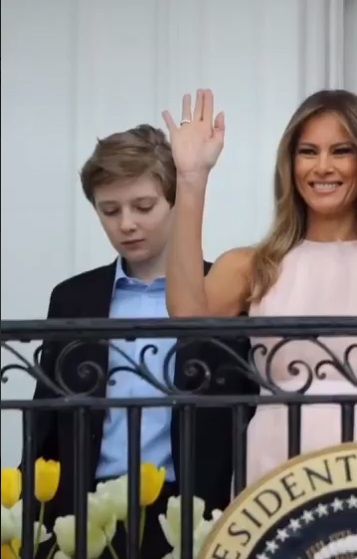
x=198 y=141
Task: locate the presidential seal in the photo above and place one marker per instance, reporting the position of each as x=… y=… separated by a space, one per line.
x=305 y=509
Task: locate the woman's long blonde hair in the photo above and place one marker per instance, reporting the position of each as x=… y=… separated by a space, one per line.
x=289 y=225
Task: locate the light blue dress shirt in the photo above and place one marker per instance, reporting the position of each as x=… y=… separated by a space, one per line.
x=132 y=298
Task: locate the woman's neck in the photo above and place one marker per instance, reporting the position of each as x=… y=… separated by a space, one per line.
x=327 y=229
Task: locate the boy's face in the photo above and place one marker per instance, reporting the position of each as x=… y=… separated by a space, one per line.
x=136 y=218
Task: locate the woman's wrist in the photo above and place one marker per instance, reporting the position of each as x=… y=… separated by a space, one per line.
x=192 y=181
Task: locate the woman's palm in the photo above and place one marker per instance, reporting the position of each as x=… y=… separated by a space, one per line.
x=198 y=141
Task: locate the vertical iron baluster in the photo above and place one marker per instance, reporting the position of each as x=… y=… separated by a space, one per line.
x=187 y=461
x=134 y=459
x=28 y=485
x=239 y=445
x=347 y=422
x=294 y=430
x=81 y=430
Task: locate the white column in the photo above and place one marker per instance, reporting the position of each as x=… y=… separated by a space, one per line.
x=336 y=43
x=322 y=44
x=351 y=45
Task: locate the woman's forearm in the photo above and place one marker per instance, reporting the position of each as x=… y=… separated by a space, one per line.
x=196 y=145
x=185 y=273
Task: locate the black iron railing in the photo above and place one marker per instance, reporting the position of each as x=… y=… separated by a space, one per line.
x=77 y=385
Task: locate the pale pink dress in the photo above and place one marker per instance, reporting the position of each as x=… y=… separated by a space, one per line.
x=317 y=279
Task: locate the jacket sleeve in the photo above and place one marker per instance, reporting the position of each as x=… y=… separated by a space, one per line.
x=46 y=421
x=213 y=429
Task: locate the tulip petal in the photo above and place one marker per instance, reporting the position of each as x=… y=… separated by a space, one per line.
x=61 y=555
x=96 y=542
x=198 y=511
x=47 y=478
x=7 y=526
x=116 y=491
x=173 y=513
x=6 y=552
x=101 y=508
x=64 y=529
x=110 y=529
x=169 y=556
x=171 y=533
x=11 y=486
x=16 y=513
x=152 y=480
x=171 y=525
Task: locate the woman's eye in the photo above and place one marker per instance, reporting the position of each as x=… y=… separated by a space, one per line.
x=306 y=151
x=344 y=150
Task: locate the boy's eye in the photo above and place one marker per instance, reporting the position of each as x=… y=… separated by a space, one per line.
x=110 y=212
x=144 y=209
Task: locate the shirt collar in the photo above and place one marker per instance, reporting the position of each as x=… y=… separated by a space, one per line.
x=122 y=277
x=120 y=271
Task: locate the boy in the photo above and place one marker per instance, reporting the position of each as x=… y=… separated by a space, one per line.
x=130 y=179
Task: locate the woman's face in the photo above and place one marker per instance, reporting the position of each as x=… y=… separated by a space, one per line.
x=325 y=166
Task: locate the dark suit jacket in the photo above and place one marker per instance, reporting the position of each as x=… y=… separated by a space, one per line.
x=88 y=295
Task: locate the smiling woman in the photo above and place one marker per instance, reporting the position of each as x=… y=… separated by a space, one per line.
x=306 y=266
x=315 y=190
x=318 y=151
x=326 y=167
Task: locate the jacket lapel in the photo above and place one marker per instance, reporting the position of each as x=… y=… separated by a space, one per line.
x=95 y=303
x=97 y=293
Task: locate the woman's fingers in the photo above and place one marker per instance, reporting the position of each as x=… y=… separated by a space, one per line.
x=186 y=108
x=203 y=112
x=169 y=121
x=208 y=106
x=198 y=110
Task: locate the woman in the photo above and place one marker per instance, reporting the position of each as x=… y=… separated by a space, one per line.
x=307 y=265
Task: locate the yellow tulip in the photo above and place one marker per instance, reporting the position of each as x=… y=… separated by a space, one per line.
x=7 y=552
x=11 y=486
x=151 y=482
x=47 y=477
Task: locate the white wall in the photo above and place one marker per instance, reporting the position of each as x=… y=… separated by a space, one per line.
x=77 y=69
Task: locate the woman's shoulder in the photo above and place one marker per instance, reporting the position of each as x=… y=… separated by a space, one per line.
x=228 y=283
x=238 y=260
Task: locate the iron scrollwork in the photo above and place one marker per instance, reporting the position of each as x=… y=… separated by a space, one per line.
x=343 y=367
x=198 y=371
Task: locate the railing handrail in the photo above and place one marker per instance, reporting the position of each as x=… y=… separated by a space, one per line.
x=199 y=328
x=74 y=402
